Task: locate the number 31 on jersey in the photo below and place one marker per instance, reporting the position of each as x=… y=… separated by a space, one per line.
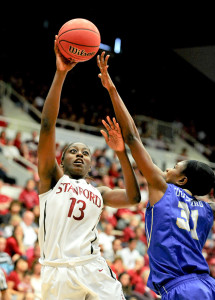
x=183 y=222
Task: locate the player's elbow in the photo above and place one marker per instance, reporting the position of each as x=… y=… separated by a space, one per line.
x=129 y=138
x=46 y=125
x=135 y=199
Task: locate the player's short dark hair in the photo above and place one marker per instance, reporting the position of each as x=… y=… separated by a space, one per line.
x=200 y=177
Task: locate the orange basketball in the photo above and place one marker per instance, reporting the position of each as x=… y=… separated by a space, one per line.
x=79 y=40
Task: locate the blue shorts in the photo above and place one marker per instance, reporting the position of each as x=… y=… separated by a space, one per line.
x=187 y=287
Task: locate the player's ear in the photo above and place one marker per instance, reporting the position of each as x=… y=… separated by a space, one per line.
x=182 y=181
x=61 y=165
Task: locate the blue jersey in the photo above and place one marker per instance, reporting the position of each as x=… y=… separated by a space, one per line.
x=177 y=227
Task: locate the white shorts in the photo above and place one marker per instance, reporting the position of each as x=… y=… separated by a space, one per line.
x=90 y=281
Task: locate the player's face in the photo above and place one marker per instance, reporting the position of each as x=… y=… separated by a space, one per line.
x=77 y=160
x=175 y=174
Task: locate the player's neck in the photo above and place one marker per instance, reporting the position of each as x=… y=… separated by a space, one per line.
x=74 y=176
x=188 y=192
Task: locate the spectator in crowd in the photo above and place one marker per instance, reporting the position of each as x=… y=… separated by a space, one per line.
x=39 y=101
x=141 y=239
x=8 y=229
x=102 y=166
x=141 y=286
x=129 y=254
x=29 y=230
x=136 y=272
x=3 y=286
x=15 y=278
x=4 y=201
x=106 y=238
x=25 y=284
x=129 y=231
x=32 y=145
x=106 y=218
x=113 y=170
x=5 y=260
x=123 y=216
x=14 y=244
x=107 y=181
x=128 y=291
x=33 y=254
x=124 y=279
x=17 y=141
x=116 y=246
x=15 y=209
x=139 y=211
x=29 y=196
x=36 y=282
x=117 y=266
x=119 y=182
x=10 y=151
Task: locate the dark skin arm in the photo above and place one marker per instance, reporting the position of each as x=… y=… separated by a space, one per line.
x=131 y=194
x=153 y=175
x=49 y=170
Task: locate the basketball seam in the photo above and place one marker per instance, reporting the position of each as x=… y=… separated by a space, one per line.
x=77 y=44
x=79 y=29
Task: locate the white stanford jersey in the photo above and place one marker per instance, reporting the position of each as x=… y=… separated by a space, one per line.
x=69 y=214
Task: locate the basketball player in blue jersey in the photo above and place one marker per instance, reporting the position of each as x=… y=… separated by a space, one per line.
x=177 y=223
x=70 y=208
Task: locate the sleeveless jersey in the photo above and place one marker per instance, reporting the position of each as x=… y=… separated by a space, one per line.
x=177 y=227
x=69 y=214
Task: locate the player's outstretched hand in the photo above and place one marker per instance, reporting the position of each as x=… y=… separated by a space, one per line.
x=62 y=63
x=113 y=136
x=102 y=63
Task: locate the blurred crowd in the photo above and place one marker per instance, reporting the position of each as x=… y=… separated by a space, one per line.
x=84 y=111
x=121 y=231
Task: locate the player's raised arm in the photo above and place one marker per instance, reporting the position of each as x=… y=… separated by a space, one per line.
x=131 y=194
x=48 y=169
x=154 y=176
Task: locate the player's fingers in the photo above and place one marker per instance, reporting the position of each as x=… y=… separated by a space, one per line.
x=55 y=41
x=102 y=58
x=115 y=122
x=104 y=133
x=110 y=122
x=106 y=125
x=106 y=59
x=98 y=61
x=117 y=127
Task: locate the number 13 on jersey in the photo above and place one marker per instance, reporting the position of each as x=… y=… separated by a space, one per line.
x=81 y=209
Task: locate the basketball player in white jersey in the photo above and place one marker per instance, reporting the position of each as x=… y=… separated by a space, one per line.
x=72 y=266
